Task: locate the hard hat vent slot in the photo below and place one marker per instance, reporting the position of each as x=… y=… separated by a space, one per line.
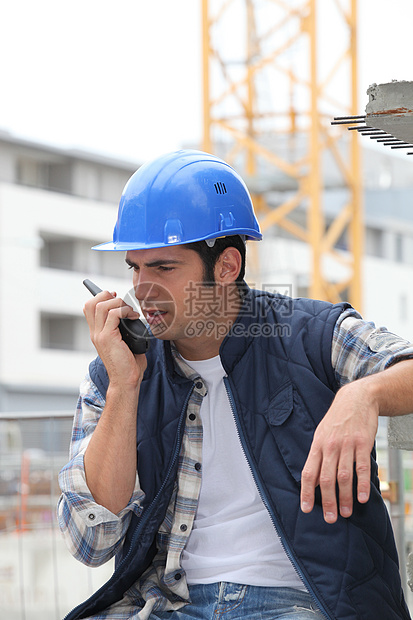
x=220 y=188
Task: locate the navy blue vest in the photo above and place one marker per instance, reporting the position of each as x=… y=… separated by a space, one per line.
x=281 y=383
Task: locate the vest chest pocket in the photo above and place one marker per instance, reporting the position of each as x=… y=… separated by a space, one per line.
x=292 y=428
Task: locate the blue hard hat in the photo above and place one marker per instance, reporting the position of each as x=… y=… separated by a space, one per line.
x=182 y=197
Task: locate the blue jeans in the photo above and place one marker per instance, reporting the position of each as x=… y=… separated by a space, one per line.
x=232 y=601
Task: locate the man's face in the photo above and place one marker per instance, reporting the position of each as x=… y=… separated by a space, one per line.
x=165 y=280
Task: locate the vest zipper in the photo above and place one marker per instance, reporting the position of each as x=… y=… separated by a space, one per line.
x=263 y=495
x=149 y=509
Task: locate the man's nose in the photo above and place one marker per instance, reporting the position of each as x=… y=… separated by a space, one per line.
x=145 y=290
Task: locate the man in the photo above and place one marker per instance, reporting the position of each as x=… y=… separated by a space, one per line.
x=218 y=468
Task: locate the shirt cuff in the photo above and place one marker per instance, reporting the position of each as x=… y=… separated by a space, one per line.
x=82 y=502
x=360 y=348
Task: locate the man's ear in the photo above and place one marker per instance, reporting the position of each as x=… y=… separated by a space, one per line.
x=228 y=266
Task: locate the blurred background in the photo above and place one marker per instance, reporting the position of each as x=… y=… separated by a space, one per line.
x=89 y=91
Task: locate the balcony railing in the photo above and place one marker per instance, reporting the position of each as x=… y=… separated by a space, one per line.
x=39 y=579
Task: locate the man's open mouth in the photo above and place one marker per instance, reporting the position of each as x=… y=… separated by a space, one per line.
x=155 y=317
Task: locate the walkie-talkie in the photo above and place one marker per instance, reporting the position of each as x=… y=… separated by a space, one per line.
x=133 y=332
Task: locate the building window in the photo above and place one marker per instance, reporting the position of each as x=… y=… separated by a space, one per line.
x=64 y=332
x=72 y=254
x=374 y=242
x=399 y=247
x=44 y=174
x=57 y=253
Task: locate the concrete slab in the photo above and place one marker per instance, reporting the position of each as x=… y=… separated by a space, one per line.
x=400 y=432
x=390 y=108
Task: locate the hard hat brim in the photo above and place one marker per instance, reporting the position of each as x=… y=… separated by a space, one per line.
x=124 y=246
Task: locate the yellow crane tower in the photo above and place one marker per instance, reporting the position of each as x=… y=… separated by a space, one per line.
x=275 y=68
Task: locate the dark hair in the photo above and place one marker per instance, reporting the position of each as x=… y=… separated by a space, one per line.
x=210 y=255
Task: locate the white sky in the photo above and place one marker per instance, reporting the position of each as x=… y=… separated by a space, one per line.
x=124 y=78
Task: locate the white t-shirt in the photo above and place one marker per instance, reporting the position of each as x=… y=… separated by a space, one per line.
x=233 y=538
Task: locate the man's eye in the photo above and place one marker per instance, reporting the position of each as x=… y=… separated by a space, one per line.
x=164 y=268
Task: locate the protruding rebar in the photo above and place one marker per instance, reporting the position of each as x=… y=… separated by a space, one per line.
x=343 y=118
x=393 y=140
x=375 y=133
x=348 y=122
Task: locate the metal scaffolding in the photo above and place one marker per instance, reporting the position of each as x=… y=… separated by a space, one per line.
x=272 y=84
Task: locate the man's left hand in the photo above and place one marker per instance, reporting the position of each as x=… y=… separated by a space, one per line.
x=343 y=438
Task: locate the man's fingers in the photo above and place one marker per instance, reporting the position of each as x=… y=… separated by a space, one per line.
x=328 y=480
x=327 y=472
x=345 y=482
x=328 y=467
x=363 y=470
x=102 y=309
x=341 y=445
x=108 y=324
x=115 y=314
x=104 y=312
x=89 y=308
x=309 y=480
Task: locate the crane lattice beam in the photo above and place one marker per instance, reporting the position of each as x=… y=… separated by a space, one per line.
x=270 y=91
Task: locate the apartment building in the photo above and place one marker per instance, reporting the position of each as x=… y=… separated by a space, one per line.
x=54 y=205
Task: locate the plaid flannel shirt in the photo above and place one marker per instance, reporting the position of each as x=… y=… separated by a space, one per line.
x=94 y=534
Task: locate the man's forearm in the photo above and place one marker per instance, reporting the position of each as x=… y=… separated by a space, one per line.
x=110 y=458
x=392 y=389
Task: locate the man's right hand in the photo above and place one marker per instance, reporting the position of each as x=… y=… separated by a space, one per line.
x=103 y=314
